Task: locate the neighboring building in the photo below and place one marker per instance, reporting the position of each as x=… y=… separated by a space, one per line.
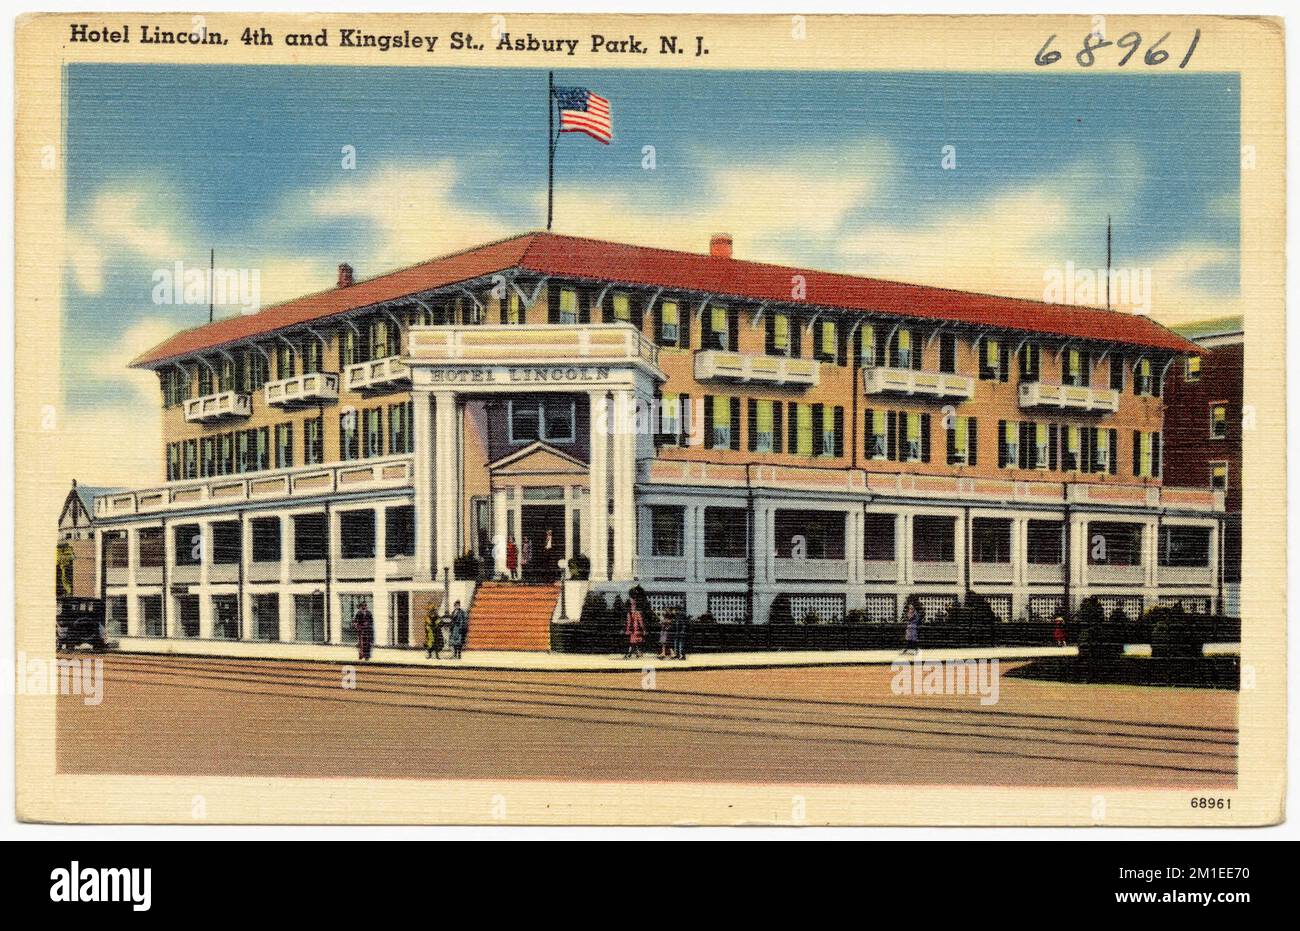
x=845 y=441
x=75 y=563
x=1203 y=424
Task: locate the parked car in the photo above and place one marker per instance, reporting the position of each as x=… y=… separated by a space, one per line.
x=80 y=620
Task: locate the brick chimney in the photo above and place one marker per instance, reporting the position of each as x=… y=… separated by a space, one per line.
x=345 y=275
x=720 y=246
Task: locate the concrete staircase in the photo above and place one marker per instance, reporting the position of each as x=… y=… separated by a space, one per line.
x=512 y=616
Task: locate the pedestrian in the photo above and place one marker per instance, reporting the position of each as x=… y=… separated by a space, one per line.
x=459 y=630
x=526 y=556
x=1058 y=630
x=364 y=624
x=680 y=622
x=912 y=632
x=666 y=632
x=432 y=633
x=634 y=629
x=512 y=558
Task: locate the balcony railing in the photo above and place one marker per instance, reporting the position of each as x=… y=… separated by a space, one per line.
x=1099 y=574
x=819 y=570
x=1069 y=397
x=311 y=388
x=879 y=379
x=717 y=365
x=226 y=490
x=223 y=405
x=533 y=344
x=660 y=567
x=1185 y=575
x=377 y=375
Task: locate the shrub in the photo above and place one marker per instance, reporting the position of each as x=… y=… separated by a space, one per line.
x=1099 y=639
x=781 y=614
x=855 y=616
x=465 y=566
x=706 y=619
x=580 y=567
x=980 y=621
x=594 y=610
x=1173 y=634
x=811 y=619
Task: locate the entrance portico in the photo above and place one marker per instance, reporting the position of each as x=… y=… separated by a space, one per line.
x=611 y=369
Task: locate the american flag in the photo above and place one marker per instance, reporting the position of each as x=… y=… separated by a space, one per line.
x=581 y=111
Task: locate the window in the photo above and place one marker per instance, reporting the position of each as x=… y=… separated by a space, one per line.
x=187 y=615
x=1046 y=544
x=948 y=353
x=1218 y=476
x=1008 y=444
x=116 y=550
x=1146 y=454
x=1218 y=420
x=1114 y=544
x=963 y=441
x=718 y=333
x=1184 y=546
x=310 y=536
x=1143 y=380
x=827 y=342
x=266 y=617
x=173 y=461
x=667 y=531
x=829 y=422
x=266 y=539
x=225 y=617
x=1030 y=362
x=150 y=547
x=188 y=543
x=205 y=378
x=552 y=420
x=910 y=449
x=726 y=533
x=876 y=435
x=309 y=618
x=1105 y=456
x=514 y=311
x=904 y=354
x=809 y=534
x=283 y=445
x=992 y=360
x=764 y=426
x=722 y=422
x=867 y=344
x=284 y=361
x=357 y=534
x=621 y=307
x=349 y=438
x=801 y=429
x=313 y=441
x=670 y=419
x=1075 y=367
x=399 y=531
x=191 y=448
x=1070 y=461
x=1192 y=369
x=780 y=335
x=151 y=618
x=991 y=540
x=1117 y=372
x=226 y=454
x=568 y=306
x=313 y=355
x=226 y=543
x=1042 y=448
x=934 y=538
x=669 y=323
x=374 y=431
x=400 y=437
x=878 y=538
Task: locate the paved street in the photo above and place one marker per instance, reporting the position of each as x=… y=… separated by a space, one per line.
x=841 y=724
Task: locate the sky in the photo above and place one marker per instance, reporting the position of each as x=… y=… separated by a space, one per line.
x=841 y=171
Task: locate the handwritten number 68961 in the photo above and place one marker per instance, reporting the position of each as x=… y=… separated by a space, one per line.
x=1130 y=43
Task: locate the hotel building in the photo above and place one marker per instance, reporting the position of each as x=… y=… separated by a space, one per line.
x=721 y=432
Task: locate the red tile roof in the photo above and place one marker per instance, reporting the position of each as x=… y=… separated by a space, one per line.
x=568 y=256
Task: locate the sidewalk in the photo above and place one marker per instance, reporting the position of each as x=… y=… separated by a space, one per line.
x=568 y=662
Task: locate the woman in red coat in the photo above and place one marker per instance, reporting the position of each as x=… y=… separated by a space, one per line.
x=512 y=558
x=634 y=628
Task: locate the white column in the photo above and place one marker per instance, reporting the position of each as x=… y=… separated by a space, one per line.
x=205 y=571
x=500 y=531
x=624 y=473
x=379 y=597
x=288 y=621
x=422 y=478
x=446 y=482
x=598 y=476
x=248 y=623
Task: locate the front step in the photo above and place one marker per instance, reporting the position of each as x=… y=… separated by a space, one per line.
x=512 y=616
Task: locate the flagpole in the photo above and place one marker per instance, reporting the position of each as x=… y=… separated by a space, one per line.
x=550 y=147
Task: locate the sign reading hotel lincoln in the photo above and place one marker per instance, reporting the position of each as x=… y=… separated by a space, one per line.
x=773 y=417
x=529 y=374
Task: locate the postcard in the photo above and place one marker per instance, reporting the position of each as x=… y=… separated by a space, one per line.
x=666 y=419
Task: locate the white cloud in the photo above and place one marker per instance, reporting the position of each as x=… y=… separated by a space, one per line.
x=121 y=223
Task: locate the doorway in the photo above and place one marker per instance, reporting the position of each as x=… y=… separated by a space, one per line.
x=542 y=544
